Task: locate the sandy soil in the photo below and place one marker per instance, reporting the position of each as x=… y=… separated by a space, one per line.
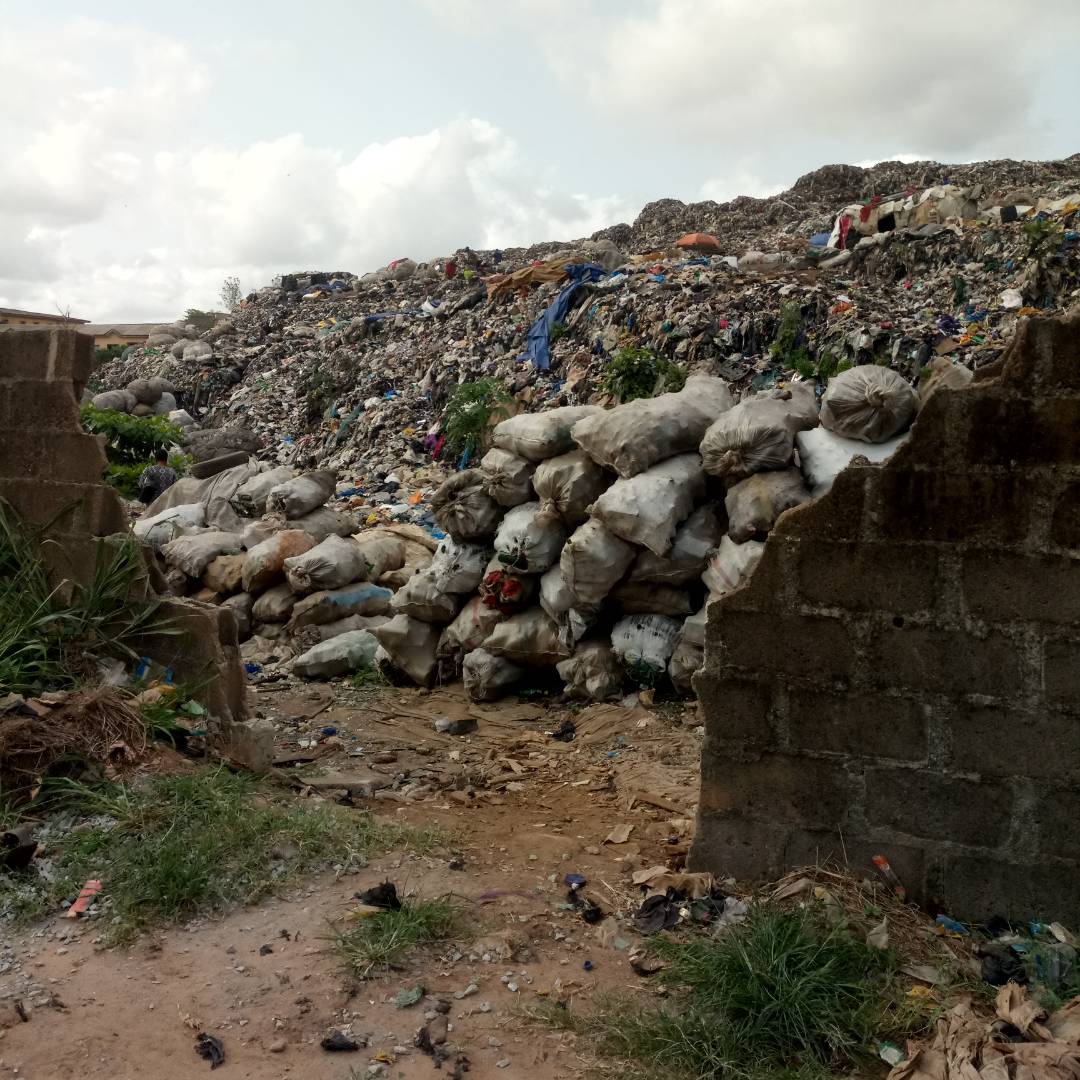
x=522 y=810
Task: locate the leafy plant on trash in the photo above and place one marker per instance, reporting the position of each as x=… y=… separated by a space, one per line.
x=635 y=372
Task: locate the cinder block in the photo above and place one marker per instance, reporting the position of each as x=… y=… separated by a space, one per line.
x=955 y=506
x=864 y=726
x=1061 y=672
x=1065 y=523
x=804 y=647
x=736 y=710
x=31 y=403
x=975 y=887
x=69 y=507
x=895 y=578
x=1057 y=814
x=837 y=515
x=1051 y=353
x=984 y=740
x=780 y=788
x=51 y=355
x=42 y=453
x=924 y=804
x=925 y=658
x=1002 y=587
x=1008 y=430
x=748 y=850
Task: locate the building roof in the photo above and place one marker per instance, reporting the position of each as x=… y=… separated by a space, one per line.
x=124 y=329
x=10 y=312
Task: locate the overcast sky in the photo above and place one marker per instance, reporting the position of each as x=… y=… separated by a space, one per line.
x=153 y=149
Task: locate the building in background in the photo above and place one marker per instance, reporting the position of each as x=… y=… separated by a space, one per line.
x=14 y=319
x=106 y=334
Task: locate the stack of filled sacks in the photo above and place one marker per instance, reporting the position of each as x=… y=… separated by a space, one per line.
x=262 y=542
x=576 y=545
x=591 y=541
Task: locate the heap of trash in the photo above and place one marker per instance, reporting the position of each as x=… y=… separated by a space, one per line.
x=584 y=548
x=758 y=309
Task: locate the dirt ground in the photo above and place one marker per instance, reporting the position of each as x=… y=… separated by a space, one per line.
x=521 y=809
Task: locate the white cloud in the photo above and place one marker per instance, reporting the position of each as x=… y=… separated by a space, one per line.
x=116 y=211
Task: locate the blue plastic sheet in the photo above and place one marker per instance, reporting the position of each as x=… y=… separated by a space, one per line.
x=537 y=350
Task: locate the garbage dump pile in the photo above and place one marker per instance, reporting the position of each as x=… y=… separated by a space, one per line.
x=589 y=536
x=583 y=549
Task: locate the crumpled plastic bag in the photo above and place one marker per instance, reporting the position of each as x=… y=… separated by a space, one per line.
x=754 y=504
x=868 y=403
x=759 y=433
x=463 y=507
x=633 y=437
x=275 y=605
x=459 y=568
x=644 y=644
x=421 y=598
x=647 y=508
x=194 y=553
x=731 y=565
x=266 y=561
x=824 y=455
x=339 y=655
x=362 y=598
x=469 y=630
x=250 y=497
x=169 y=524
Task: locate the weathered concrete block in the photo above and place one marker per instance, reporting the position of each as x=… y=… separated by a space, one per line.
x=779 y=787
x=741 y=708
x=954 y=506
x=22 y=402
x=921 y=803
x=42 y=453
x=865 y=725
x=1061 y=672
x=801 y=646
x=1004 y=587
x=868 y=576
x=50 y=355
x=944 y=661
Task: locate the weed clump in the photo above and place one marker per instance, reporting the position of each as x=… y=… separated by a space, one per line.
x=381 y=941
x=637 y=373
x=179 y=846
x=786 y=993
x=471 y=410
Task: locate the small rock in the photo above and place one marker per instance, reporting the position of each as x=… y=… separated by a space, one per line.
x=277 y=1046
x=464 y=725
x=504 y=1063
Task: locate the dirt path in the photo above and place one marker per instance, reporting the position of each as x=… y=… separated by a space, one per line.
x=522 y=809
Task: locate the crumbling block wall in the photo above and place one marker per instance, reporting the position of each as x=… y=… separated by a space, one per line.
x=902 y=673
x=51 y=472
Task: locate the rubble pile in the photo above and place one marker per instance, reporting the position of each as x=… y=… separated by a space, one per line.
x=591 y=533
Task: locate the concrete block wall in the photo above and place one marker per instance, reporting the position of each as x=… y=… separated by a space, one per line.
x=51 y=472
x=902 y=673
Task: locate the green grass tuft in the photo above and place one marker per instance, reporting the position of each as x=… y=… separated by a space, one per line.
x=634 y=373
x=785 y=994
x=382 y=941
x=181 y=846
x=471 y=411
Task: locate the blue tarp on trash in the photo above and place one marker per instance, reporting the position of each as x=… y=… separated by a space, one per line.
x=537 y=350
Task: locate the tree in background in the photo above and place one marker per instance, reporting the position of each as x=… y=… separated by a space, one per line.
x=204 y=320
x=231 y=294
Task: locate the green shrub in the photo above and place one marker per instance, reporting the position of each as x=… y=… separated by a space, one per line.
x=470 y=412
x=636 y=372
x=130 y=445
